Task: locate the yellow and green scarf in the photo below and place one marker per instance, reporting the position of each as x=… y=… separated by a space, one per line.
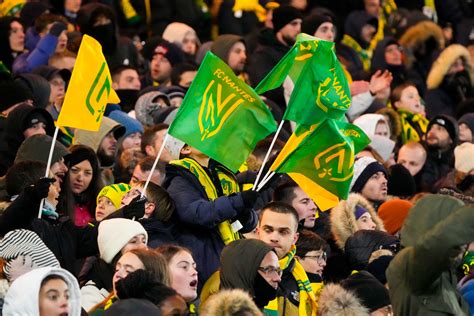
x=307 y=295
x=364 y=54
x=228 y=184
x=414 y=126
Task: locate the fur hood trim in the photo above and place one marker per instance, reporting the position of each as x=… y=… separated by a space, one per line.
x=337 y=301
x=444 y=61
x=230 y=302
x=343 y=221
x=419 y=33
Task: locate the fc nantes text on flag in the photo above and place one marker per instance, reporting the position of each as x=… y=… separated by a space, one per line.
x=320 y=86
x=89 y=90
x=323 y=155
x=221 y=115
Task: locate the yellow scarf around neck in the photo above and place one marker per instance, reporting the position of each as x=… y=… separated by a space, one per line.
x=228 y=183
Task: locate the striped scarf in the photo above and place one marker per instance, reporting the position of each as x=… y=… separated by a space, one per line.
x=228 y=185
x=23 y=242
x=364 y=54
x=307 y=295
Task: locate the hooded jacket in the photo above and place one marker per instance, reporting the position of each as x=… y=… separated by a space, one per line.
x=13 y=134
x=441 y=97
x=335 y=300
x=22 y=298
x=343 y=221
x=243 y=256
x=422 y=277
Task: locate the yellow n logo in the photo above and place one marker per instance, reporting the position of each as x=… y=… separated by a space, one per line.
x=215 y=109
x=93 y=103
x=334 y=162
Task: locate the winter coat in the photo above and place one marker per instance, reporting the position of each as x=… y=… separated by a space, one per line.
x=422 y=277
x=159 y=233
x=199 y=218
x=360 y=246
x=335 y=300
x=343 y=221
x=268 y=53
x=442 y=96
x=438 y=164
x=23 y=296
x=28 y=61
x=62 y=237
x=98 y=285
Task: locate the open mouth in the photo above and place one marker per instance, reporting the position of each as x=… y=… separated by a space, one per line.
x=193 y=283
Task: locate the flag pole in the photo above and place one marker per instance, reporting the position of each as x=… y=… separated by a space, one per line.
x=154 y=164
x=263 y=182
x=267 y=155
x=48 y=165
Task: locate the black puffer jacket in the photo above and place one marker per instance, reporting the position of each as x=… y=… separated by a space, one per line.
x=361 y=245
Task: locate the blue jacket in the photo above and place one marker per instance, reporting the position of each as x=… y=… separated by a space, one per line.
x=39 y=56
x=198 y=217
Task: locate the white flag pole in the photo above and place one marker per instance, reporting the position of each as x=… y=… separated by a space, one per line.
x=267 y=156
x=155 y=163
x=48 y=165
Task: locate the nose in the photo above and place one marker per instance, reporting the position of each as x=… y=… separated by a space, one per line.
x=276 y=278
x=323 y=264
x=63 y=167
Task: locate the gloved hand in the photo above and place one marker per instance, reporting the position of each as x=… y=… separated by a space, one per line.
x=249 y=197
x=57 y=28
x=40 y=189
x=136 y=208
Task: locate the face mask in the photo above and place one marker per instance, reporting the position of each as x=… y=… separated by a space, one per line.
x=128 y=98
x=264 y=292
x=105 y=35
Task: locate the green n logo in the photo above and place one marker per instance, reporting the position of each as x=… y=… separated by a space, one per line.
x=90 y=100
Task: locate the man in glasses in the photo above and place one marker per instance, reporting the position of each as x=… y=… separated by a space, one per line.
x=278 y=229
x=311 y=253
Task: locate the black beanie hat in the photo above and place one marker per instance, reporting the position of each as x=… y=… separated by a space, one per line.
x=364 y=168
x=448 y=123
x=468 y=119
x=371 y=293
x=284 y=15
x=38 y=86
x=170 y=51
x=313 y=21
x=34 y=117
x=400 y=182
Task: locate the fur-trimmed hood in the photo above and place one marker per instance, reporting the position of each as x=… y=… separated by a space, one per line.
x=343 y=221
x=415 y=38
x=337 y=301
x=229 y=302
x=445 y=60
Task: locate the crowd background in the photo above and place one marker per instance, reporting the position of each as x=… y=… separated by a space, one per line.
x=198 y=240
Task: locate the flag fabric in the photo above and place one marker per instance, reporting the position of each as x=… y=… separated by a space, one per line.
x=320 y=159
x=221 y=115
x=320 y=87
x=89 y=90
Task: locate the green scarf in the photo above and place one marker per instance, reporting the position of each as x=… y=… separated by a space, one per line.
x=413 y=126
x=304 y=287
x=228 y=184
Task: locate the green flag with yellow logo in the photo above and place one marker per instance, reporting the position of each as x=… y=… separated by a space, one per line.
x=320 y=89
x=221 y=115
x=89 y=90
x=323 y=154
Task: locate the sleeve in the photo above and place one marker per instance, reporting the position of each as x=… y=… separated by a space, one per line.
x=435 y=251
x=194 y=209
x=86 y=240
x=19 y=214
x=91 y=295
x=360 y=103
x=38 y=57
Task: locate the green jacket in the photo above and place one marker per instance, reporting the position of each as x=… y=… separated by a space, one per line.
x=421 y=277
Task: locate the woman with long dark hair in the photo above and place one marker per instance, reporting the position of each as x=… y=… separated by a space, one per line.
x=81 y=186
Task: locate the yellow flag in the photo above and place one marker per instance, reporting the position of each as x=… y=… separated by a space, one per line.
x=89 y=90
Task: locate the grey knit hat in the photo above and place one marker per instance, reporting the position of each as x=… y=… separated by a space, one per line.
x=146 y=106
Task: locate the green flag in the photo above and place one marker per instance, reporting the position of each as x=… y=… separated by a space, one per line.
x=320 y=86
x=326 y=155
x=221 y=115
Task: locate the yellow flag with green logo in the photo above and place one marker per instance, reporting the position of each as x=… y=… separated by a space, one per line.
x=89 y=90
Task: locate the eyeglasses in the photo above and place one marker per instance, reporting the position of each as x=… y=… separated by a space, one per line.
x=269 y=270
x=320 y=258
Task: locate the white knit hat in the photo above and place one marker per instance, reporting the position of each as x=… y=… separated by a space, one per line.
x=114 y=234
x=463 y=157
